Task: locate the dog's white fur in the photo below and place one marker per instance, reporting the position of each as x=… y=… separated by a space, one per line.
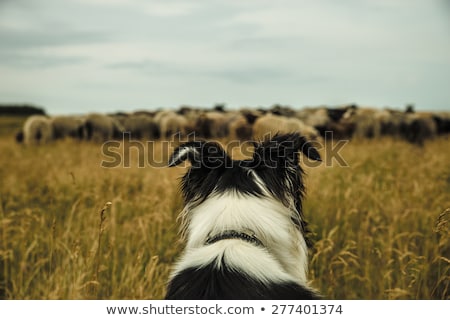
x=284 y=253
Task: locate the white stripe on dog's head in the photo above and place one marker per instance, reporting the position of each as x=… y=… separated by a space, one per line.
x=209 y=155
x=183 y=153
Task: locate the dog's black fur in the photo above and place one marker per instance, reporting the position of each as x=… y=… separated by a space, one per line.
x=228 y=284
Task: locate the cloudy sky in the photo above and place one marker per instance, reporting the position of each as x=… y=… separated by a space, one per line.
x=76 y=56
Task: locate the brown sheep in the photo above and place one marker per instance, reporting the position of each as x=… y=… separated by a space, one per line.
x=442 y=120
x=419 y=127
x=170 y=123
x=37 y=130
x=69 y=127
x=391 y=122
x=366 y=122
x=240 y=129
x=270 y=124
x=141 y=126
x=212 y=124
x=315 y=117
x=240 y=126
x=101 y=127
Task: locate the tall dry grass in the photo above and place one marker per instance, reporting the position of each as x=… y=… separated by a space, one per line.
x=380 y=225
x=60 y=241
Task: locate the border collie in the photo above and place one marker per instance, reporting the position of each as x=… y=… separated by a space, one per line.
x=243 y=222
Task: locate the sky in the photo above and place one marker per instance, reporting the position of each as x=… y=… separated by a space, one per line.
x=78 y=56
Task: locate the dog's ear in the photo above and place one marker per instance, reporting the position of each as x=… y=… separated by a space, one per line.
x=285 y=147
x=187 y=151
x=306 y=147
x=200 y=154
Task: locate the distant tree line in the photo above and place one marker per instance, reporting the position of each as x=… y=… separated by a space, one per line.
x=20 y=110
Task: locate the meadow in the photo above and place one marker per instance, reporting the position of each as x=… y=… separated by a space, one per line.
x=72 y=229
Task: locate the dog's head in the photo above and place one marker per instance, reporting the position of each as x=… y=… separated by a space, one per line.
x=273 y=171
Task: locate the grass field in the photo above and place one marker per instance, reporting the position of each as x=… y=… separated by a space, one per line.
x=381 y=224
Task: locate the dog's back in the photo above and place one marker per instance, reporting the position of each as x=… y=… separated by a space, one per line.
x=225 y=283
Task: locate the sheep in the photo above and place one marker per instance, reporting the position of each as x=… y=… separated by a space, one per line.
x=240 y=127
x=442 y=120
x=68 y=126
x=100 y=128
x=365 y=121
x=270 y=124
x=325 y=120
x=37 y=130
x=419 y=127
x=281 y=110
x=315 y=117
x=141 y=126
x=391 y=122
x=170 y=123
x=212 y=124
x=241 y=130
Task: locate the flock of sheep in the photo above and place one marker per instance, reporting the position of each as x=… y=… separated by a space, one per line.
x=344 y=122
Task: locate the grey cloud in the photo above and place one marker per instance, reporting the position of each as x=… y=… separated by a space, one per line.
x=150 y=67
x=13 y=40
x=262 y=43
x=252 y=74
x=234 y=73
x=30 y=60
